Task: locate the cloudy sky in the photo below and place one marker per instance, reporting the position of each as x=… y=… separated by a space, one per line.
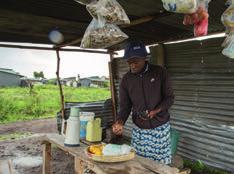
x=27 y=61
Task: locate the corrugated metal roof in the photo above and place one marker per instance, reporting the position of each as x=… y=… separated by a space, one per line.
x=10 y=71
x=31 y=21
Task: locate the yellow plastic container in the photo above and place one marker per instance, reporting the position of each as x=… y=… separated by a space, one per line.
x=94 y=130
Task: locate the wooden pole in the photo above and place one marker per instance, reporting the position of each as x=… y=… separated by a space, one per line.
x=78 y=166
x=46 y=158
x=112 y=85
x=60 y=86
x=52 y=49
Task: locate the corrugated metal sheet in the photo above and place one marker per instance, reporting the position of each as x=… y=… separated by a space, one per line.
x=9 y=79
x=38 y=18
x=102 y=109
x=203 y=112
x=120 y=67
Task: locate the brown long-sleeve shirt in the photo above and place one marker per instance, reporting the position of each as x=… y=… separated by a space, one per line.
x=148 y=90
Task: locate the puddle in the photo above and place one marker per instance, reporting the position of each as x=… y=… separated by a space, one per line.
x=28 y=161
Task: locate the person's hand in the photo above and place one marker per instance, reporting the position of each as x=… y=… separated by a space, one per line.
x=117 y=128
x=153 y=113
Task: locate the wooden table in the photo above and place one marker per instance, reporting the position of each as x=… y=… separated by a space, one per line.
x=138 y=165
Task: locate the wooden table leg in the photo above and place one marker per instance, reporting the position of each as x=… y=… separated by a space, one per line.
x=46 y=158
x=79 y=167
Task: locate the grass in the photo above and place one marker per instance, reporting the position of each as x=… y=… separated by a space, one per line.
x=198 y=167
x=17 y=104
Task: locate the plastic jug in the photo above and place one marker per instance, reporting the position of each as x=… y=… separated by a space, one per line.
x=84 y=118
x=72 y=133
x=94 y=130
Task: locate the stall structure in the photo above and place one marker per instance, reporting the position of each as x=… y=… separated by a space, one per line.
x=202 y=77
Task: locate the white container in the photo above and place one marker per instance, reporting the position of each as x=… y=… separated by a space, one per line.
x=72 y=136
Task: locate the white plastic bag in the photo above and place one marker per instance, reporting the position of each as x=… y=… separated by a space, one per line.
x=229 y=46
x=180 y=6
x=228 y=17
x=102 y=35
x=115 y=149
x=110 y=10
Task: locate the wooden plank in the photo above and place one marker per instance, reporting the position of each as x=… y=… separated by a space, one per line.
x=6 y=167
x=138 y=165
x=46 y=158
x=79 y=167
x=112 y=86
x=52 y=49
x=157 y=55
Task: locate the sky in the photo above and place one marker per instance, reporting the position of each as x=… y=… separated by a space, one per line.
x=26 y=61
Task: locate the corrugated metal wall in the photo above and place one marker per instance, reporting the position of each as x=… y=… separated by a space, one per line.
x=120 y=67
x=7 y=79
x=102 y=109
x=203 y=112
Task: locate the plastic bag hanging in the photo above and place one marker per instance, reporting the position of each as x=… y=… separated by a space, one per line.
x=199 y=19
x=180 y=6
x=229 y=46
x=101 y=35
x=228 y=21
x=110 y=10
x=228 y=18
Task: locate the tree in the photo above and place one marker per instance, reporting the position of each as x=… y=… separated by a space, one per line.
x=38 y=74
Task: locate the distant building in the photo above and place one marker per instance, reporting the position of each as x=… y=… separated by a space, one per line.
x=94 y=81
x=85 y=82
x=9 y=77
x=67 y=81
x=26 y=82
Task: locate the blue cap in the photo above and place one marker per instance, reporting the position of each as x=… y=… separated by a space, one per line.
x=135 y=50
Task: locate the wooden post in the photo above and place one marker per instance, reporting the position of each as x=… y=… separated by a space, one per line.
x=60 y=86
x=46 y=158
x=157 y=55
x=78 y=166
x=112 y=86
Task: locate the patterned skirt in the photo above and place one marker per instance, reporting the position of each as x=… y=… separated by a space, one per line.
x=154 y=143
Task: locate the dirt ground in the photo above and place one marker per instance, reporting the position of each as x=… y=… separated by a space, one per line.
x=26 y=153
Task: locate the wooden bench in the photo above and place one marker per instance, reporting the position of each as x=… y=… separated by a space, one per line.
x=138 y=165
x=6 y=167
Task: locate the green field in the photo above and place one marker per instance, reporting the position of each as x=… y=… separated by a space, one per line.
x=44 y=101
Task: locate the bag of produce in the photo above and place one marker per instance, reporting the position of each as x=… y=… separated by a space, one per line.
x=229 y=46
x=228 y=16
x=199 y=18
x=102 y=35
x=180 y=6
x=110 y=10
